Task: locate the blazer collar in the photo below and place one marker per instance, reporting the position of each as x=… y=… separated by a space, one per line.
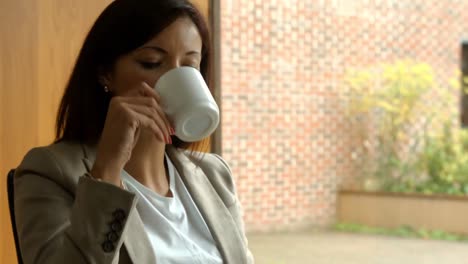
x=136 y=241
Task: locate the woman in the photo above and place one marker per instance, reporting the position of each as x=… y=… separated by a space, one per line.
x=116 y=186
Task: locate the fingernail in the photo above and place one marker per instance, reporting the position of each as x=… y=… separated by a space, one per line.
x=172 y=131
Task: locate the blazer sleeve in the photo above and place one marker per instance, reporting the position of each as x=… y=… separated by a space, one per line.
x=236 y=211
x=57 y=224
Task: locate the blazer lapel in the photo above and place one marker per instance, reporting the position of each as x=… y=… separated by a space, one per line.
x=136 y=240
x=216 y=215
x=89 y=156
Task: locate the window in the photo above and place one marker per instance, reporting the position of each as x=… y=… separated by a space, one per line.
x=464 y=69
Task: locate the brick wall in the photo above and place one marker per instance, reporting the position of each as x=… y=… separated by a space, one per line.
x=284 y=131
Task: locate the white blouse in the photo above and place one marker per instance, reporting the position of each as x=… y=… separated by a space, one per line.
x=177 y=230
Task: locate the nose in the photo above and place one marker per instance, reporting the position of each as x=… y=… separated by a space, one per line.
x=175 y=63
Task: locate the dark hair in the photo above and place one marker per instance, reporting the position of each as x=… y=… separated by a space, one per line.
x=121 y=28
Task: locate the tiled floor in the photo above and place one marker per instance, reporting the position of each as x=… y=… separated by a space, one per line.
x=342 y=248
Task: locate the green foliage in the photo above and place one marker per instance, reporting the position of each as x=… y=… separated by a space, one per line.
x=402 y=231
x=409 y=140
x=445 y=159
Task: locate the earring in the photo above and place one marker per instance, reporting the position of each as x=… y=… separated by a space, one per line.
x=106 y=89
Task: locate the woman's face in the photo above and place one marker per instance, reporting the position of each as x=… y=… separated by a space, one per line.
x=177 y=45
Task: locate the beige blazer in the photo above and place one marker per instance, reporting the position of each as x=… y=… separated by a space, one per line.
x=63 y=216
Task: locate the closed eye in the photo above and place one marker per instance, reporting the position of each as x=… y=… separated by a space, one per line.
x=150 y=65
x=193 y=64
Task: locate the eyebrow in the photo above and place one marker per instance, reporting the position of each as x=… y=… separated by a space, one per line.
x=161 y=50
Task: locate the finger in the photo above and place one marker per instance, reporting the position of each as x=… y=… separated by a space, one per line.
x=146 y=122
x=150 y=103
x=167 y=123
x=163 y=122
x=153 y=114
x=145 y=101
x=150 y=92
x=143 y=90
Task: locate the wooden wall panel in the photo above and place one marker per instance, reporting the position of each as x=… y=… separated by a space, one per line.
x=203 y=6
x=18 y=94
x=40 y=41
x=39 y=44
x=63 y=25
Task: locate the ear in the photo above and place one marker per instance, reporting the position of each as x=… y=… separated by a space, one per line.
x=104 y=76
x=103 y=81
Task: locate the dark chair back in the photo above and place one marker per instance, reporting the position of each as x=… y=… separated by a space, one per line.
x=11 y=205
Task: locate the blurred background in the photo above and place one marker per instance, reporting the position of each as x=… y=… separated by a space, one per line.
x=342 y=120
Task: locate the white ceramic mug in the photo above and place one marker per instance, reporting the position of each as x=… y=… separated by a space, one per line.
x=188 y=103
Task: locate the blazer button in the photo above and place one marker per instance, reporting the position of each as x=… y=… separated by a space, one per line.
x=119 y=214
x=107 y=246
x=116 y=226
x=112 y=236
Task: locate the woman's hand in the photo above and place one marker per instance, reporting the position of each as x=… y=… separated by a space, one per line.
x=126 y=116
